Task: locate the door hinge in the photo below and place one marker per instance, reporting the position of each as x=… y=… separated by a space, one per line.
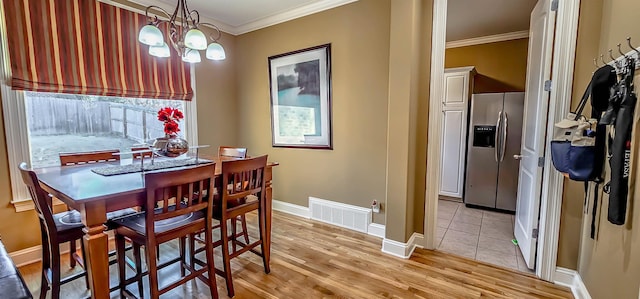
x=534 y=233
x=541 y=161
x=554 y=5
x=547 y=85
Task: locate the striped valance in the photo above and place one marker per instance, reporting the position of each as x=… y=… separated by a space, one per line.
x=88 y=47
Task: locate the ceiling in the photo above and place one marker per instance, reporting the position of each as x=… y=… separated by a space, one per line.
x=478 y=18
x=242 y=16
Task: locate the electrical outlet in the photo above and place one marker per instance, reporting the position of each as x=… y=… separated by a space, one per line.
x=375 y=206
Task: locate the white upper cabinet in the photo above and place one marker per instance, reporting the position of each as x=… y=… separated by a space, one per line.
x=458 y=87
x=455 y=108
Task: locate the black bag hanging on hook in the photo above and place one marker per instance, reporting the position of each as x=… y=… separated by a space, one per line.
x=620 y=114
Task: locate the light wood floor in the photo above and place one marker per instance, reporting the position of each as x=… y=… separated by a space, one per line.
x=315 y=260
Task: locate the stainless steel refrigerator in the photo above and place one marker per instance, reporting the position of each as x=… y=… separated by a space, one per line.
x=495 y=130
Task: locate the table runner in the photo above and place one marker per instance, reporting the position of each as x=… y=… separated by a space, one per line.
x=157 y=165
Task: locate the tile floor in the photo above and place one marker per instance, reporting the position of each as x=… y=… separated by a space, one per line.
x=478 y=234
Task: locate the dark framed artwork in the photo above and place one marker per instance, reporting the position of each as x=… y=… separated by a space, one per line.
x=300 y=84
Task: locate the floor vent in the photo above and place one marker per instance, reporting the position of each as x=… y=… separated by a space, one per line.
x=347 y=216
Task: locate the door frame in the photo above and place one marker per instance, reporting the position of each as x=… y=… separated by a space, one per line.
x=563 y=60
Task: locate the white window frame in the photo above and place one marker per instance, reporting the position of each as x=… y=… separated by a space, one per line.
x=17 y=132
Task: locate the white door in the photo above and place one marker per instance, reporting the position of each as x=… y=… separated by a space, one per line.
x=541 y=34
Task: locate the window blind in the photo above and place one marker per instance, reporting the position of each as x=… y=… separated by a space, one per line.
x=88 y=47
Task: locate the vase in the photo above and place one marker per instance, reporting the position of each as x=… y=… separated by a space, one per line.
x=170 y=146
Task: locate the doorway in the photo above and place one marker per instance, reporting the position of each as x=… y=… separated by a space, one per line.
x=549 y=192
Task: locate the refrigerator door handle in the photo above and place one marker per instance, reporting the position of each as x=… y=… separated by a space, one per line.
x=504 y=135
x=496 y=135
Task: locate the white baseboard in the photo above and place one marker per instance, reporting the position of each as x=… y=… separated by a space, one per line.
x=290 y=208
x=33 y=254
x=571 y=279
x=376 y=230
x=402 y=250
x=340 y=214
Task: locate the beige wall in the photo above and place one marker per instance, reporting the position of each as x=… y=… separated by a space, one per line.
x=354 y=171
x=18 y=230
x=422 y=124
x=610 y=265
x=586 y=49
x=408 y=110
x=216 y=89
x=501 y=66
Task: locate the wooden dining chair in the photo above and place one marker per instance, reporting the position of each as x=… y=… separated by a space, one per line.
x=174 y=219
x=78 y=158
x=238 y=153
x=232 y=152
x=55 y=229
x=247 y=195
x=82 y=158
x=141 y=155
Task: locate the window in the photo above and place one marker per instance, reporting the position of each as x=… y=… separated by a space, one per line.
x=40 y=125
x=76 y=123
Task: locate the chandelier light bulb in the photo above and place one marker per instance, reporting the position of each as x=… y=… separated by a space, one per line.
x=160 y=51
x=151 y=35
x=215 y=52
x=191 y=56
x=195 y=39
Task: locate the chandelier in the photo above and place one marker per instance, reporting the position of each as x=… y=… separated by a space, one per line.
x=186 y=38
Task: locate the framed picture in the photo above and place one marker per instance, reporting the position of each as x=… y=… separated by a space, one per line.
x=301 y=98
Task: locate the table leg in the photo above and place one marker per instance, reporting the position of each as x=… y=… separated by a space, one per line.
x=268 y=213
x=95 y=240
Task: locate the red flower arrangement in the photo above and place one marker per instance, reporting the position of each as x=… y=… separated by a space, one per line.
x=170 y=117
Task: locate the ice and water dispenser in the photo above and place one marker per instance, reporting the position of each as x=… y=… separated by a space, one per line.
x=484 y=136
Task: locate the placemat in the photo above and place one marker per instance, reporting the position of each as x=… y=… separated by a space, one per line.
x=157 y=165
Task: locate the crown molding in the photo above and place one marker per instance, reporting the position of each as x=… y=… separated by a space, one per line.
x=289 y=15
x=488 y=39
x=253 y=25
x=169 y=8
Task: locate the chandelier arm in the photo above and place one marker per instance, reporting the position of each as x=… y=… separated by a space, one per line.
x=155 y=18
x=194 y=21
x=219 y=35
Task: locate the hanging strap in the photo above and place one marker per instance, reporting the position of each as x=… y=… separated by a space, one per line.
x=583 y=100
x=595 y=210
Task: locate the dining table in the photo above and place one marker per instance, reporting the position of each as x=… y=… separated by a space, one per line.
x=94 y=195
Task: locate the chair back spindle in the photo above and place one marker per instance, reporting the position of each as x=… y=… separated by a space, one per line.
x=178 y=193
x=244 y=180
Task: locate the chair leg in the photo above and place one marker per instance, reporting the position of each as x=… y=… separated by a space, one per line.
x=55 y=272
x=46 y=264
x=183 y=262
x=138 y=260
x=233 y=234
x=213 y=287
x=72 y=251
x=263 y=233
x=84 y=259
x=243 y=221
x=120 y=252
x=192 y=251
x=226 y=260
x=44 y=286
x=152 y=266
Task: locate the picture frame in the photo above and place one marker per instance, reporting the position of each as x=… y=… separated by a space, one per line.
x=300 y=87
